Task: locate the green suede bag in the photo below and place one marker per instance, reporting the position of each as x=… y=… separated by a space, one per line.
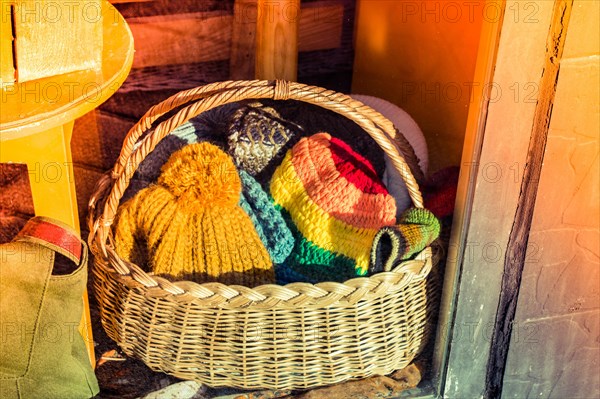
x=43 y=274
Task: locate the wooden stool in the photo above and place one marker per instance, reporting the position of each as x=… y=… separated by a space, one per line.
x=36 y=124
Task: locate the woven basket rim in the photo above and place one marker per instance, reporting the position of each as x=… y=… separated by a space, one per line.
x=111 y=186
x=268 y=296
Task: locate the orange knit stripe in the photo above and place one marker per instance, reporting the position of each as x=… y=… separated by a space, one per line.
x=333 y=193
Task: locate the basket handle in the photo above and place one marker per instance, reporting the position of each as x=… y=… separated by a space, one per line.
x=162 y=108
x=210 y=96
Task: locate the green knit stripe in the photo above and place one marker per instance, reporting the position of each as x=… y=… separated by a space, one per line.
x=417 y=229
x=315 y=263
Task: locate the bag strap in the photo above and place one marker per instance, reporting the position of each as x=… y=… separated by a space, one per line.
x=54 y=235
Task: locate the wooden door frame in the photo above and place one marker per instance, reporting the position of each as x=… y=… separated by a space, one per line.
x=474 y=133
x=496 y=166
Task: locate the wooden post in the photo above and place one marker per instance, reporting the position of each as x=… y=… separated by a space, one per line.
x=497 y=140
x=277 y=39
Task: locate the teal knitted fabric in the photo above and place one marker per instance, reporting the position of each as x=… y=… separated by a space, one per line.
x=267 y=219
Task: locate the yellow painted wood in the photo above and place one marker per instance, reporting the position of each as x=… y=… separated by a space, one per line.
x=7 y=70
x=35 y=106
x=277 y=39
x=56 y=37
x=48 y=159
x=36 y=124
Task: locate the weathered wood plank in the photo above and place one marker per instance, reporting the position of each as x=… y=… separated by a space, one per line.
x=516 y=249
x=320 y=26
x=129 y=1
x=97 y=139
x=277 y=40
x=181 y=38
x=139 y=9
x=484 y=71
x=208 y=36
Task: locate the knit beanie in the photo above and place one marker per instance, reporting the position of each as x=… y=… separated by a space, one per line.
x=258 y=137
x=335 y=204
x=267 y=220
x=416 y=229
x=189 y=225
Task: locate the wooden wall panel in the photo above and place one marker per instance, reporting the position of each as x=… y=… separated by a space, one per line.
x=243 y=40
x=421 y=56
x=207 y=36
x=181 y=38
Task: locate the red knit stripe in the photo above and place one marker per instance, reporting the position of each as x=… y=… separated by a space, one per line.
x=355 y=168
x=312 y=164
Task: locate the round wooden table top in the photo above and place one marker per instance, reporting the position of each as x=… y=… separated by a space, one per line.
x=38 y=105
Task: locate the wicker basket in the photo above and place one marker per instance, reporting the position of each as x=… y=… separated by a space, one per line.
x=294 y=336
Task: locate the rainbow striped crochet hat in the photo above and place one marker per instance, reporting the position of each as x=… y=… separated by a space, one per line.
x=334 y=203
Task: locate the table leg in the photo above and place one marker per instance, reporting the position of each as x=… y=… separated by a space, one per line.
x=48 y=158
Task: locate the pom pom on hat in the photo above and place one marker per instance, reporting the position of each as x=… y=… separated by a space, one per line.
x=190 y=226
x=201 y=175
x=209 y=126
x=335 y=204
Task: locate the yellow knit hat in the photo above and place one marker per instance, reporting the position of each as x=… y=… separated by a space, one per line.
x=190 y=226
